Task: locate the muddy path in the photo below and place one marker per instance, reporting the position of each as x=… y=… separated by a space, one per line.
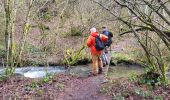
x=84 y=89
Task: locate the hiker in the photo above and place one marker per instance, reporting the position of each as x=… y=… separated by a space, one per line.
x=107 y=44
x=109 y=35
x=95 y=53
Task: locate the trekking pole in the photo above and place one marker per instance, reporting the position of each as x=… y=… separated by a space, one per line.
x=110 y=49
x=109 y=59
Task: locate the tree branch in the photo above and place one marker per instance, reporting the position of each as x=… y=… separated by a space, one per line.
x=144 y=28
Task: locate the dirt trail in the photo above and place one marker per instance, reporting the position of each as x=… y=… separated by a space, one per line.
x=84 y=89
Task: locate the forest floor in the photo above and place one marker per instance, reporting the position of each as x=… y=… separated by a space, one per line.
x=73 y=87
x=121 y=85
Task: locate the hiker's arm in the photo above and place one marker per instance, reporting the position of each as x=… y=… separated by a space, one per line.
x=111 y=34
x=89 y=42
x=103 y=37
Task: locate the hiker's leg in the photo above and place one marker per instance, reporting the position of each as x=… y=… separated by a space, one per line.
x=106 y=59
x=95 y=64
x=103 y=60
x=100 y=65
x=106 y=49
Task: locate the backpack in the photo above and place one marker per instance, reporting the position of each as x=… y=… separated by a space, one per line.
x=99 y=43
x=109 y=35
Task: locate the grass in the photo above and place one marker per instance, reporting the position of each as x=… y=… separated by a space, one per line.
x=129 y=56
x=124 y=71
x=38 y=83
x=119 y=56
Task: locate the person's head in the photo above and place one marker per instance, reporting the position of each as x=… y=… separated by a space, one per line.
x=104 y=28
x=92 y=30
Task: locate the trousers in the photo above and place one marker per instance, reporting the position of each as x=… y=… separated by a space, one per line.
x=97 y=64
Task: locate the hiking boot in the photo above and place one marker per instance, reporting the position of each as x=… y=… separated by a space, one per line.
x=104 y=81
x=92 y=74
x=100 y=70
x=104 y=65
x=106 y=51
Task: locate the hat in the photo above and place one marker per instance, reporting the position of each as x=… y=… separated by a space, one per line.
x=93 y=30
x=105 y=28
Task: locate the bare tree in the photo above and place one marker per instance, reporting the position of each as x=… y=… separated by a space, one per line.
x=12 y=58
x=151 y=17
x=26 y=29
x=10 y=8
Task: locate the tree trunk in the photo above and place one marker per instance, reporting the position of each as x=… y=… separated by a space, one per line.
x=10 y=15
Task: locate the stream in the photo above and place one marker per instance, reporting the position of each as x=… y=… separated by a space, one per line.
x=117 y=71
x=36 y=72
x=81 y=70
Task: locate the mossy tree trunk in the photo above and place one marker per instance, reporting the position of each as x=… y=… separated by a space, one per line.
x=12 y=57
x=10 y=7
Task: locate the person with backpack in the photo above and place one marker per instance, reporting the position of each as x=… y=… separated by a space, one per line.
x=109 y=35
x=96 y=44
x=107 y=44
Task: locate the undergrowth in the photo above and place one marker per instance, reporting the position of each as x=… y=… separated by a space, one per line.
x=73 y=31
x=73 y=57
x=119 y=57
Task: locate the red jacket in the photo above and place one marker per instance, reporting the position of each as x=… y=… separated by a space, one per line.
x=91 y=42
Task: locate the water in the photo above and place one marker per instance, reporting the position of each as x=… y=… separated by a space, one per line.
x=36 y=72
x=120 y=71
x=81 y=70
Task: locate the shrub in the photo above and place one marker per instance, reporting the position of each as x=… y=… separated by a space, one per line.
x=150 y=78
x=121 y=57
x=133 y=77
x=73 y=57
x=31 y=48
x=74 y=31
